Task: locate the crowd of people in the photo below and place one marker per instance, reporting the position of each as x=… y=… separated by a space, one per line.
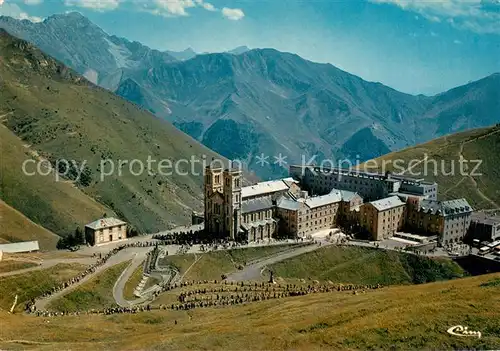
x=101 y=260
x=104 y=311
x=225 y=294
x=151 y=259
x=185 y=237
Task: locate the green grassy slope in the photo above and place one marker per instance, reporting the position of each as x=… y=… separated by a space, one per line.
x=62 y=116
x=131 y=284
x=14 y=227
x=96 y=293
x=58 y=206
x=482 y=191
x=11 y=265
x=30 y=285
x=212 y=264
x=359 y=265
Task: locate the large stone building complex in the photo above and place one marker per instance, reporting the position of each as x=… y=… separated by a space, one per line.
x=448 y=220
x=236 y=212
x=369 y=185
x=383 y=218
x=314 y=199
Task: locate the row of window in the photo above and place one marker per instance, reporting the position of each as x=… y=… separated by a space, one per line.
x=256 y=216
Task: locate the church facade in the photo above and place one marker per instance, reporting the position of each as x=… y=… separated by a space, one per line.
x=241 y=213
x=268 y=209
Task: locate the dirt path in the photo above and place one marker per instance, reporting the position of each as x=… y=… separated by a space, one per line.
x=460 y=155
x=196 y=259
x=50 y=263
x=120 y=283
x=122 y=256
x=474 y=182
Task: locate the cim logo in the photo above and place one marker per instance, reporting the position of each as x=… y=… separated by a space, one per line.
x=459 y=330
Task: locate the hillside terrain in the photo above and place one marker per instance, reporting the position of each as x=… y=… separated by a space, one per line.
x=263 y=100
x=14 y=227
x=396 y=318
x=61 y=116
x=96 y=293
x=438 y=160
x=360 y=265
x=83 y=46
x=58 y=206
x=32 y=284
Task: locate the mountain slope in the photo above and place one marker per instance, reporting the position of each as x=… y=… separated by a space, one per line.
x=57 y=206
x=271 y=102
x=275 y=102
x=439 y=160
x=265 y=101
x=14 y=227
x=187 y=54
x=78 y=43
x=63 y=116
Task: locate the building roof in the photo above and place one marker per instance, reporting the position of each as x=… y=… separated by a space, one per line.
x=347 y=195
x=445 y=208
x=268 y=187
x=25 y=246
x=456 y=206
x=317 y=201
x=105 y=223
x=484 y=218
x=387 y=203
x=405 y=196
x=288 y=204
x=257 y=204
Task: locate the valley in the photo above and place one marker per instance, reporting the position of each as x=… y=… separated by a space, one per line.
x=162 y=198
x=263 y=100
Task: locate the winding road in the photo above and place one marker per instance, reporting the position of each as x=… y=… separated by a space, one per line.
x=119 y=286
x=253 y=271
x=136 y=256
x=122 y=256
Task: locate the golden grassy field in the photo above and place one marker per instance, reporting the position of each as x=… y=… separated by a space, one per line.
x=397 y=317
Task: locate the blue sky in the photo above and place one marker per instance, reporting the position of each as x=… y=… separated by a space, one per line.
x=415 y=46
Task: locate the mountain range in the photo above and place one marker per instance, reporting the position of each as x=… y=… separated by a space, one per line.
x=262 y=102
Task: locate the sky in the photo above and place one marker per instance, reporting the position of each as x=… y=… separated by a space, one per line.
x=415 y=46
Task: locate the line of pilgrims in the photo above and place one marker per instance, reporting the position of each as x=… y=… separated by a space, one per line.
x=226 y=294
x=101 y=260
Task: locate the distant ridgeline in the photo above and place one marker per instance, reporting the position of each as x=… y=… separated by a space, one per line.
x=248 y=102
